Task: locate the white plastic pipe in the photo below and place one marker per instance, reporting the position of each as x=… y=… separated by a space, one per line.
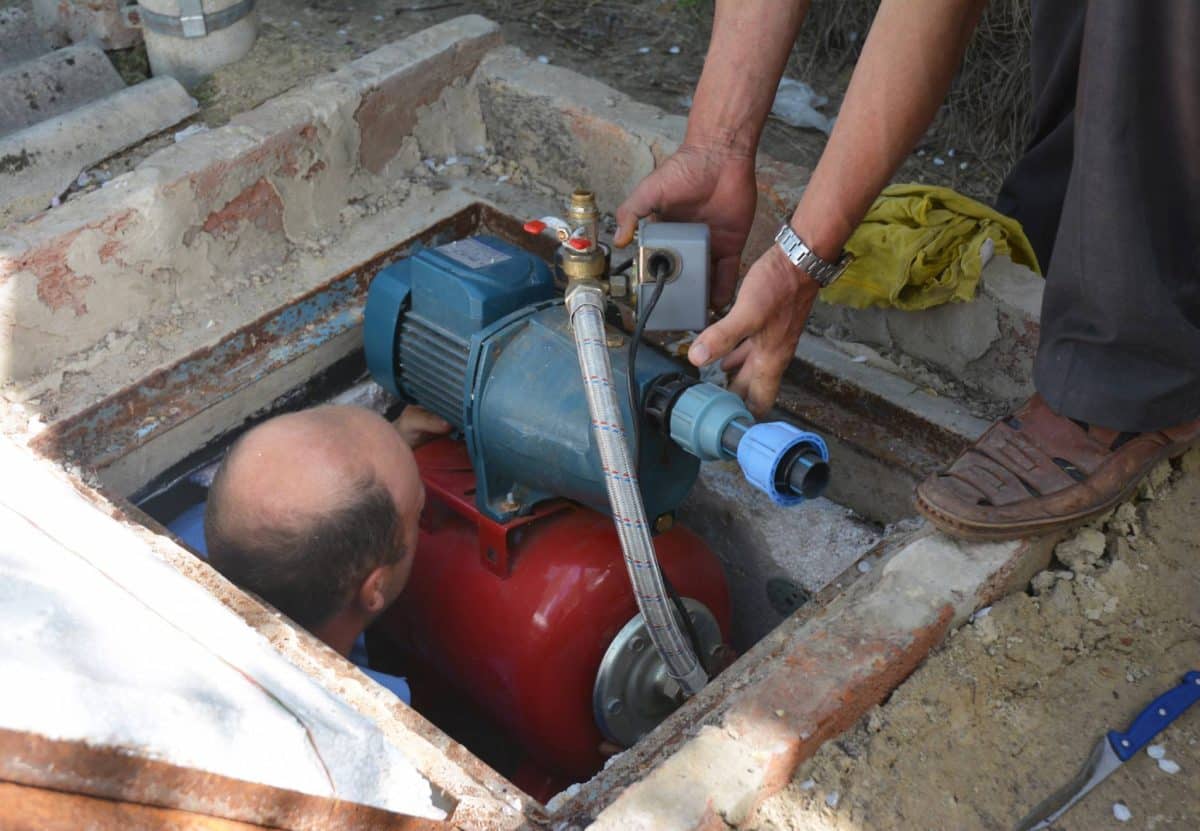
x=585 y=305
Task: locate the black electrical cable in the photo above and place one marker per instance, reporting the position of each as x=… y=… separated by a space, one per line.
x=660 y=271
x=635 y=399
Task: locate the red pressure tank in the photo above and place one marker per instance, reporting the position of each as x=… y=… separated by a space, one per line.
x=517 y=616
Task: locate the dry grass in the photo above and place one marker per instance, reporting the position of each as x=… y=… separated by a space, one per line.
x=988 y=110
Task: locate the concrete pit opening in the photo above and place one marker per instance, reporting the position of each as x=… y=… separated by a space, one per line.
x=777 y=563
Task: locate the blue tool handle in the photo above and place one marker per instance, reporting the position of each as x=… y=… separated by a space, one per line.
x=1155 y=718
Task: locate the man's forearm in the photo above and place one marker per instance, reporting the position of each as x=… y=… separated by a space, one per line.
x=909 y=59
x=749 y=49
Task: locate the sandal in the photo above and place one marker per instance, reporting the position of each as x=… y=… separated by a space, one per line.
x=1036 y=471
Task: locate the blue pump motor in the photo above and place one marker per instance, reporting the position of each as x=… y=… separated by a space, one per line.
x=473 y=330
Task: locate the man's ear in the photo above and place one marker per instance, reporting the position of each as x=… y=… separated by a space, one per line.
x=372 y=594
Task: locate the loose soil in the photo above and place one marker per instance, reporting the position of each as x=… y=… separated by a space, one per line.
x=1010 y=707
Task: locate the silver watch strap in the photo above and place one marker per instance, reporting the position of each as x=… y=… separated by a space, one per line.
x=800 y=255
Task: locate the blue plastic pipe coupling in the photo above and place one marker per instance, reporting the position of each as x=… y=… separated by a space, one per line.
x=783 y=461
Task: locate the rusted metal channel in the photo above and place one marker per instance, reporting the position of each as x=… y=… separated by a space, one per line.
x=122 y=776
x=141 y=412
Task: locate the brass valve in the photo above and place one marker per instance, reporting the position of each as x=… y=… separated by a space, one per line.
x=580 y=256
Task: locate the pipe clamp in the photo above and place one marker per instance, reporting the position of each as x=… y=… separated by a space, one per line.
x=192 y=21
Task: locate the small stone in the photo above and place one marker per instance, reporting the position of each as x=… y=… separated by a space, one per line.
x=950 y=152
x=780 y=714
x=1156 y=751
x=1122 y=812
x=643 y=50
x=543 y=59
x=378 y=18
x=875 y=721
x=1081 y=552
x=1043 y=581
x=1168 y=766
x=832 y=799
x=1153 y=486
x=863 y=566
x=1190 y=463
x=674 y=50
x=1124 y=520
x=938 y=161
x=808 y=784
x=962 y=165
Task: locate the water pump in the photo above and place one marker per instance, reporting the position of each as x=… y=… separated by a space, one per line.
x=476 y=331
x=516 y=355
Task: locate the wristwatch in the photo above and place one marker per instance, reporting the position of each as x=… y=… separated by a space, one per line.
x=822 y=272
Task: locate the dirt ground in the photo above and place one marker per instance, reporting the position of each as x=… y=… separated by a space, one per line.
x=653 y=51
x=1011 y=706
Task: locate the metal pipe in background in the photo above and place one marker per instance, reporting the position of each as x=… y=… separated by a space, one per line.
x=585 y=306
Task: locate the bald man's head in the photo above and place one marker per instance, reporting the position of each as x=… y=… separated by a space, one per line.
x=308 y=505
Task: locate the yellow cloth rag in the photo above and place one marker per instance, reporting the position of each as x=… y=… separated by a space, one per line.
x=919 y=246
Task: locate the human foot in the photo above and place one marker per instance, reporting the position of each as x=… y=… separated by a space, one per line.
x=1036 y=471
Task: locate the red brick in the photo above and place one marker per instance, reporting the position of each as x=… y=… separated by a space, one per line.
x=258 y=205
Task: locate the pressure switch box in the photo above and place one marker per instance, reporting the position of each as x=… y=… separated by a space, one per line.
x=680 y=250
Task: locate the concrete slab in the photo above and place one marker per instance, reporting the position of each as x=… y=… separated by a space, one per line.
x=39 y=162
x=72 y=21
x=115 y=649
x=987 y=344
x=54 y=83
x=20 y=38
x=220 y=204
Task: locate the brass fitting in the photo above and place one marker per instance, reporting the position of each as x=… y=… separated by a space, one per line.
x=583 y=265
x=583 y=213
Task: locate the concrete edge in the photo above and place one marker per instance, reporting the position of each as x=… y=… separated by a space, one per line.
x=945 y=413
x=190 y=211
x=835 y=666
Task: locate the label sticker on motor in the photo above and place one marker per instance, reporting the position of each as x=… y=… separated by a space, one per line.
x=473 y=253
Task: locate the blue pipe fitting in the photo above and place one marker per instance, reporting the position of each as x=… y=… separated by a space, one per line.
x=765 y=447
x=700 y=417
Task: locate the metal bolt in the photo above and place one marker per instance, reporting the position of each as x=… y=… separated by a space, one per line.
x=1124 y=742
x=664 y=523
x=615 y=706
x=1161 y=711
x=638 y=644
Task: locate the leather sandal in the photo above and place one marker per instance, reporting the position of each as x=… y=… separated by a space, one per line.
x=1036 y=471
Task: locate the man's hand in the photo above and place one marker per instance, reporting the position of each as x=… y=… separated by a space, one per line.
x=417 y=425
x=698 y=183
x=758 y=337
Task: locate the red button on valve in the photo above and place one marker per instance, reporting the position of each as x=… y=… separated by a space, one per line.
x=535 y=226
x=578 y=244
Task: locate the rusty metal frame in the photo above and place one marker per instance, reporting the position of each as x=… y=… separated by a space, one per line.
x=135 y=415
x=120 y=775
